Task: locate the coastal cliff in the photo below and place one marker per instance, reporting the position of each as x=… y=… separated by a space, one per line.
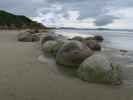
x=11 y=21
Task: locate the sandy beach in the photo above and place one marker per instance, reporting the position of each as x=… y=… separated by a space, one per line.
x=24 y=77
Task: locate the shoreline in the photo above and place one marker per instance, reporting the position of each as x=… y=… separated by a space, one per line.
x=24 y=77
x=115 y=39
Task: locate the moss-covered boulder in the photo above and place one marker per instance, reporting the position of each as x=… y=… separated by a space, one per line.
x=51 y=47
x=97 y=68
x=72 y=54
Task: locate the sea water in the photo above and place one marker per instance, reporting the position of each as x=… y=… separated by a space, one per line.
x=113 y=39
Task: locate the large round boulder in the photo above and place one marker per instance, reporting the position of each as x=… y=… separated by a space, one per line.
x=72 y=54
x=89 y=38
x=51 y=47
x=78 y=38
x=48 y=37
x=35 y=37
x=97 y=68
x=28 y=37
x=99 y=38
x=92 y=44
x=33 y=31
x=52 y=36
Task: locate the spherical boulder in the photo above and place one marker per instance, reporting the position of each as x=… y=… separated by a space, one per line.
x=72 y=53
x=33 y=31
x=97 y=68
x=52 y=36
x=28 y=37
x=89 y=38
x=51 y=47
x=78 y=38
x=99 y=38
x=35 y=37
x=92 y=44
x=48 y=37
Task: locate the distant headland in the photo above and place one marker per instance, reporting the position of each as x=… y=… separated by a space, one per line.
x=99 y=29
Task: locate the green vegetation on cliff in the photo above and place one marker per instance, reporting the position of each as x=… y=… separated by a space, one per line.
x=11 y=21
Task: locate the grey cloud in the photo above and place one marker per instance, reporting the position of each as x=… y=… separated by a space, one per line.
x=91 y=9
x=21 y=7
x=65 y=1
x=86 y=8
x=96 y=9
x=104 y=20
x=121 y=3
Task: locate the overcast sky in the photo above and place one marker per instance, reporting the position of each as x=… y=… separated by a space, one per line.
x=75 y=13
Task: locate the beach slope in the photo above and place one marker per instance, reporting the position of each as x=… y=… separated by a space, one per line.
x=24 y=77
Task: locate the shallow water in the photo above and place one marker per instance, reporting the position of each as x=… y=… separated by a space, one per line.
x=113 y=39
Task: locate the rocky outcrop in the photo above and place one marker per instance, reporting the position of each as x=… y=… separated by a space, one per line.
x=79 y=53
x=91 y=42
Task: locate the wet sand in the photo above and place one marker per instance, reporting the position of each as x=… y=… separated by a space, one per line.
x=24 y=77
